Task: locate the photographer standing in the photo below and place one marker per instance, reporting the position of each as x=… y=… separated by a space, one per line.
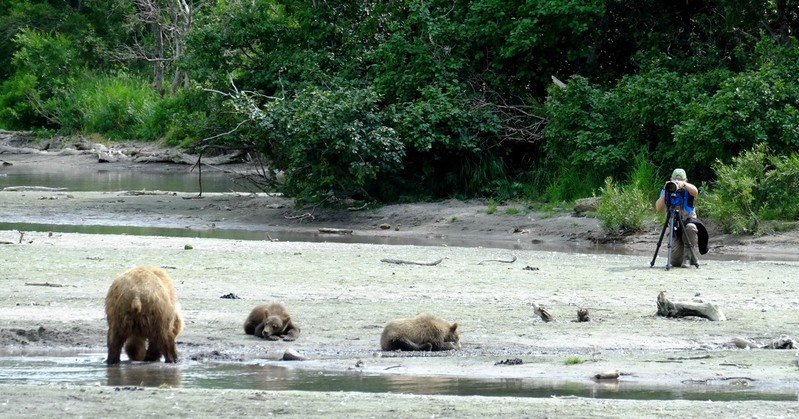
x=686 y=192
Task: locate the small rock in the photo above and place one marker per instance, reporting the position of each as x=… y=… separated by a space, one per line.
x=385 y=226
x=607 y=375
x=292 y=355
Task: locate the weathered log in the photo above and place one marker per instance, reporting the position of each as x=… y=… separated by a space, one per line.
x=672 y=309
x=45 y=284
x=410 y=262
x=511 y=260
x=32 y=189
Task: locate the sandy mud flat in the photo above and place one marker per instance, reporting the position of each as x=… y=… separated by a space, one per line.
x=342 y=294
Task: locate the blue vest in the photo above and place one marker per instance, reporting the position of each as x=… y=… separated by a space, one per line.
x=687 y=200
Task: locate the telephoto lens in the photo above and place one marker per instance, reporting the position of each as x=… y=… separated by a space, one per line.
x=671 y=187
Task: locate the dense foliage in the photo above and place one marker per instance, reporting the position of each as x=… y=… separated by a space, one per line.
x=386 y=101
x=757 y=186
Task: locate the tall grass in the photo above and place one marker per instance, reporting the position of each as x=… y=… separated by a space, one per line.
x=627 y=208
x=118 y=106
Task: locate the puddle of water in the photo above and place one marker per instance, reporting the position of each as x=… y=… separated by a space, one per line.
x=88 y=369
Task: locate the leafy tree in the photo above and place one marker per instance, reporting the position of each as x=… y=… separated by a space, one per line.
x=752 y=107
x=44 y=65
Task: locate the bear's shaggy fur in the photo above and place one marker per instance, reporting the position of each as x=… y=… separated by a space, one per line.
x=143 y=316
x=271 y=321
x=425 y=332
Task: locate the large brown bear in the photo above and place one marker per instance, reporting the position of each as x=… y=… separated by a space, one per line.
x=271 y=321
x=143 y=316
x=421 y=333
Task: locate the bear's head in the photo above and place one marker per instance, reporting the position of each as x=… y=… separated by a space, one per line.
x=453 y=336
x=273 y=326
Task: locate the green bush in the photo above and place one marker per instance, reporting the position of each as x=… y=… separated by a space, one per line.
x=623 y=209
x=329 y=142
x=755 y=187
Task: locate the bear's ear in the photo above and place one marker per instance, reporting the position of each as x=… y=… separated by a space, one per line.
x=453 y=328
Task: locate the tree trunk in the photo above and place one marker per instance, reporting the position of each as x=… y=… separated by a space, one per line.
x=158 y=62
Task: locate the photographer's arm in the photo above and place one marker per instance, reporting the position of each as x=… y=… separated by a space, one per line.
x=693 y=190
x=660 y=204
x=690 y=187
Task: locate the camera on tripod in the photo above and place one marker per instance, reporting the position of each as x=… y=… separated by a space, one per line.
x=671 y=187
x=671 y=196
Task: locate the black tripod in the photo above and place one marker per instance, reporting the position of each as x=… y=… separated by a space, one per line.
x=674 y=223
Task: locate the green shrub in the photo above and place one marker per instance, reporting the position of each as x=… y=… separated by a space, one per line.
x=623 y=209
x=492 y=206
x=17 y=102
x=781 y=187
x=573 y=360
x=756 y=186
x=329 y=142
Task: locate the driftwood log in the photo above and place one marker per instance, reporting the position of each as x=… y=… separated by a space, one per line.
x=410 y=262
x=511 y=260
x=46 y=284
x=673 y=309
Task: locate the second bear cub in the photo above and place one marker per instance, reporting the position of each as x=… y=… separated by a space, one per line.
x=425 y=332
x=272 y=322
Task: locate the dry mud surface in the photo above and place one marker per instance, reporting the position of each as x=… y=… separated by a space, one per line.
x=342 y=294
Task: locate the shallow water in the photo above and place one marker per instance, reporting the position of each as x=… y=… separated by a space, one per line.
x=118 y=179
x=88 y=369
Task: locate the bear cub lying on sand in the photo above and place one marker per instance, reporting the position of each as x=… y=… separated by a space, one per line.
x=143 y=316
x=421 y=333
x=271 y=321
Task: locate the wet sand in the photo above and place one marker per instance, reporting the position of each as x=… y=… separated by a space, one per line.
x=342 y=294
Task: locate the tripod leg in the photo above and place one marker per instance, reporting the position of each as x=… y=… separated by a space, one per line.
x=672 y=216
x=660 y=240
